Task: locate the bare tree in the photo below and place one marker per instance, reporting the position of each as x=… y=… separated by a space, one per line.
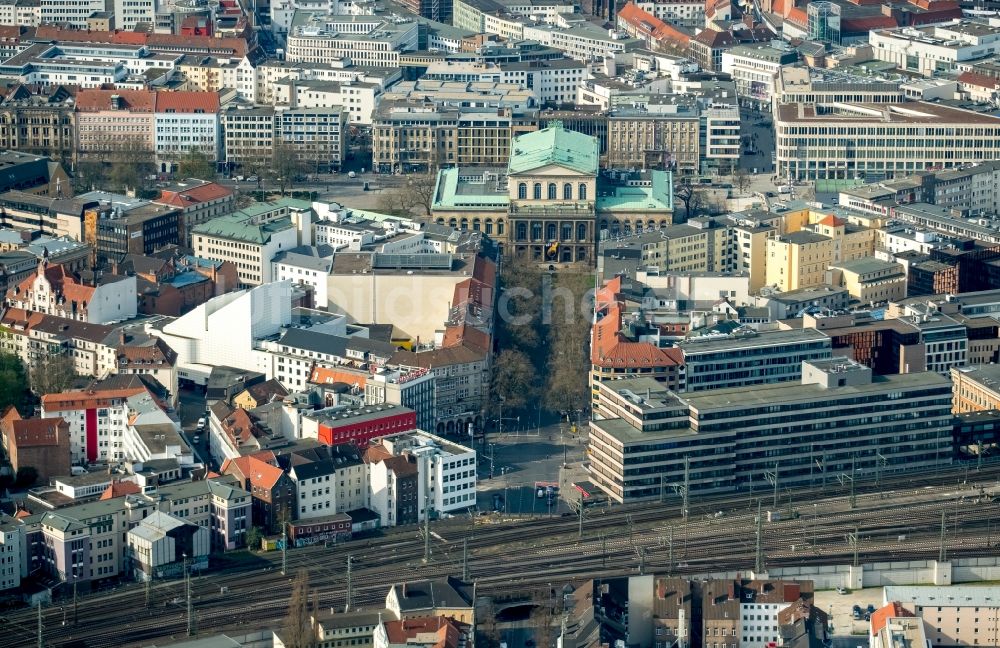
x=416 y=197
x=196 y=164
x=52 y=375
x=489 y=632
x=298 y=631
x=286 y=165
x=542 y=619
x=742 y=179
x=513 y=378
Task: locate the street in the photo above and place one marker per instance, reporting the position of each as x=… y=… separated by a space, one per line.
x=331 y=187
x=519 y=459
x=759 y=129
x=191 y=407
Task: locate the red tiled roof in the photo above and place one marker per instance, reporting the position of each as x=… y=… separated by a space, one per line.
x=466 y=334
x=376 y=453
x=446 y=631
x=120 y=489
x=187 y=197
x=187 y=101
x=612 y=349
x=36 y=432
x=263 y=475
x=863 y=24
x=59 y=282
x=93 y=100
x=485 y=271
x=831 y=221
x=646 y=23
x=977 y=79
x=86 y=399
x=325 y=376
x=881 y=616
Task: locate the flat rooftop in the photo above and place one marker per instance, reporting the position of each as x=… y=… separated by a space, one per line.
x=712 y=344
x=795 y=392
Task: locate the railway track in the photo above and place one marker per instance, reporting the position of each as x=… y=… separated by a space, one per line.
x=655 y=537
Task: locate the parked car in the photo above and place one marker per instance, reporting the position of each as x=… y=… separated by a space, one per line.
x=841 y=590
x=202 y=423
x=856 y=612
x=253 y=179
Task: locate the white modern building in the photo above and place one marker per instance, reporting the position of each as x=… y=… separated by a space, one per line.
x=129 y=13
x=358 y=98
x=74 y=13
x=12 y=557
x=320 y=37
x=933 y=49
x=224 y=330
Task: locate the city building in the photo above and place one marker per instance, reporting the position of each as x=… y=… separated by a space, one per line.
x=251 y=237
x=446 y=470
x=199 y=202
x=892 y=625
x=41 y=443
x=320 y=37
x=931 y=50
x=750 y=358
x=38 y=121
x=902 y=139
x=54 y=291
x=123 y=225
x=975 y=388
x=163 y=546
x=271 y=489
x=729 y=438
x=343 y=424
x=316 y=136
x=956 y=615
x=185 y=121
x=111 y=424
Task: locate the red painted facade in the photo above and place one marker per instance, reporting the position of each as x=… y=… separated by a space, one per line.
x=361 y=432
x=91 y=422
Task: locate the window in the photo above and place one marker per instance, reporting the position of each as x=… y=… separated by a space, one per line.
x=567 y=191
x=583 y=191
x=552 y=191
x=522 y=191
x=538 y=191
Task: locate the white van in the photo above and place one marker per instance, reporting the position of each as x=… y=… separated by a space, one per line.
x=76 y=471
x=785 y=189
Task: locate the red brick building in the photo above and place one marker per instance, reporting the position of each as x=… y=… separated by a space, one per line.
x=42 y=443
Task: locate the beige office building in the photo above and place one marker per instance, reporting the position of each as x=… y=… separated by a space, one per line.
x=847 y=141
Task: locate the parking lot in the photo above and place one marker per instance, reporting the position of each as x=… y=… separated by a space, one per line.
x=839 y=607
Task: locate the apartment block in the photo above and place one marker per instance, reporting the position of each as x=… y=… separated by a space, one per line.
x=956 y=615
x=446 y=469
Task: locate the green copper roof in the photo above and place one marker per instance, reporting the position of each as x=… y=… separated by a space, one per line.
x=449 y=193
x=241 y=226
x=554 y=145
x=658 y=196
